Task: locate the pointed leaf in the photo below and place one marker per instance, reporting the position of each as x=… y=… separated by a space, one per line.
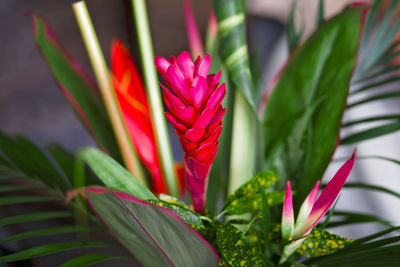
x=319 y=243
x=320 y=70
x=31 y=161
x=88 y=259
x=44 y=232
x=155 y=235
x=114 y=175
x=236 y=250
x=253 y=203
x=78 y=88
x=265 y=179
x=371 y=133
x=44 y=250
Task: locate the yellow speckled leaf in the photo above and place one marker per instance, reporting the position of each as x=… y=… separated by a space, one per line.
x=320 y=243
x=253 y=202
x=236 y=250
x=188 y=216
x=266 y=179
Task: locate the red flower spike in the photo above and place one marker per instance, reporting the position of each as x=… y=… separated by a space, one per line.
x=194 y=98
x=132 y=98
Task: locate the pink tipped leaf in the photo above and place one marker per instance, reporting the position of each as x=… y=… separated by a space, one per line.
x=287 y=213
x=327 y=198
x=79 y=89
x=307 y=205
x=193 y=34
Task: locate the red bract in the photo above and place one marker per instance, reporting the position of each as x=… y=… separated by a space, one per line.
x=194 y=98
x=132 y=98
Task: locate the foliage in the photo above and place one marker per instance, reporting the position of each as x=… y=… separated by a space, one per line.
x=294 y=141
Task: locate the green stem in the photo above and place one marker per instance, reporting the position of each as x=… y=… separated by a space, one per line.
x=243 y=146
x=153 y=91
x=103 y=79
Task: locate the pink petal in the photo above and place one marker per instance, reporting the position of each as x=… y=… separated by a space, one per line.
x=183 y=114
x=203 y=151
x=170 y=98
x=307 y=205
x=194 y=135
x=176 y=79
x=216 y=121
x=213 y=80
x=177 y=125
x=287 y=214
x=210 y=158
x=327 y=197
x=213 y=137
x=186 y=66
x=202 y=66
x=198 y=90
x=205 y=118
x=187 y=145
x=162 y=65
x=217 y=97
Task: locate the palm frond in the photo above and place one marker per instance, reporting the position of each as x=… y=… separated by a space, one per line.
x=33 y=183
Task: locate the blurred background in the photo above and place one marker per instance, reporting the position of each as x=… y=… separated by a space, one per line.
x=32 y=104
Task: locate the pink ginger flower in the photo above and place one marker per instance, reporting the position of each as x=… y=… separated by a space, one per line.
x=311 y=211
x=194 y=98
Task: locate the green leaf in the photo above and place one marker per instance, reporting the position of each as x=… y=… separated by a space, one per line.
x=376 y=188
x=113 y=175
x=35 y=216
x=265 y=179
x=88 y=259
x=188 y=216
x=377 y=37
x=320 y=70
x=371 y=133
x=377 y=84
x=321 y=7
x=45 y=232
x=155 y=235
x=390 y=95
x=12 y=188
x=254 y=202
x=26 y=199
x=233 y=46
x=78 y=88
x=293 y=35
x=31 y=161
x=372 y=119
x=63 y=158
x=356 y=218
x=44 y=250
x=237 y=251
x=319 y=243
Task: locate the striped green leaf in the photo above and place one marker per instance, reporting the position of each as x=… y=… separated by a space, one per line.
x=35 y=216
x=113 y=175
x=47 y=249
x=88 y=259
x=45 y=232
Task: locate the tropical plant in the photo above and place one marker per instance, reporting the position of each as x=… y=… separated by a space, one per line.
x=236 y=145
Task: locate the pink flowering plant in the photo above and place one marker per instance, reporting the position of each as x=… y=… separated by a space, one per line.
x=229 y=200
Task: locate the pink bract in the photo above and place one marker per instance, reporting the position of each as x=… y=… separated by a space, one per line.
x=194 y=98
